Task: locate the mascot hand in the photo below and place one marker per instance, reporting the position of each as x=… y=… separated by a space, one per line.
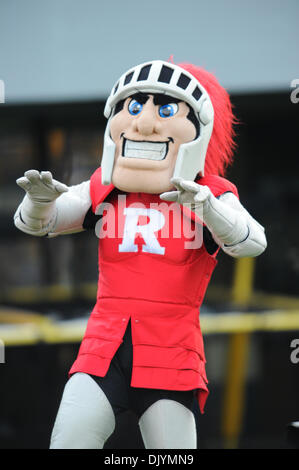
x=188 y=193
x=36 y=214
x=41 y=187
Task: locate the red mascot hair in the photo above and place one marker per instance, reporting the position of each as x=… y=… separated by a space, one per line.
x=221 y=147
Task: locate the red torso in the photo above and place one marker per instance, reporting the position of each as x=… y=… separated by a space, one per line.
x=149 y=275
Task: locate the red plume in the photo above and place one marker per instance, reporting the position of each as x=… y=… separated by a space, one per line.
x=222 y=145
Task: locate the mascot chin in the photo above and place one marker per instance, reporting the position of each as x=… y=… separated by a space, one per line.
x=162 y=210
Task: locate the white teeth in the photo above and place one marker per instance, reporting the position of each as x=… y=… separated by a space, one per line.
x=146 y=150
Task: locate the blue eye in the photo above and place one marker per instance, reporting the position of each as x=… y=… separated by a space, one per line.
x=135 y=107
x=168 y=110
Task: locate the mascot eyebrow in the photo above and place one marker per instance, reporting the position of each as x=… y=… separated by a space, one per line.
x=160 y=99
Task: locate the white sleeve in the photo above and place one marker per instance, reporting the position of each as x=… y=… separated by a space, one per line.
x=71 y=209
x=65 y=215
x=233 y=228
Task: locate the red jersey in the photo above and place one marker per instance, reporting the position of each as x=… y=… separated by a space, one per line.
x=153 y=270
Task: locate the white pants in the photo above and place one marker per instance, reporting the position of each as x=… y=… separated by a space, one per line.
x=85 y=420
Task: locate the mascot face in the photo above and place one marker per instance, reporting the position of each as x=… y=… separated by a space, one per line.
x=160 y=121
x=147 y=130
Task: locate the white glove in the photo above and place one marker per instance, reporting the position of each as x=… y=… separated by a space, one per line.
x=227 y=226
x=188 y=193
x=36 y=214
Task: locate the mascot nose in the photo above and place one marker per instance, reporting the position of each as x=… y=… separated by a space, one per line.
x=147 y=123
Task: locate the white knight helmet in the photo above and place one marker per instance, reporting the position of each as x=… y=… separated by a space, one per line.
x=163 y=77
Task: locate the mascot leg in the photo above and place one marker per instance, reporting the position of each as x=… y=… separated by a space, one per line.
x=168 y=424
x=85 y=418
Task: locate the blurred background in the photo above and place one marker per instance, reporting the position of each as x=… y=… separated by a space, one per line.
x=58 y=61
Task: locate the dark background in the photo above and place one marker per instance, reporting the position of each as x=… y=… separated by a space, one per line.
x=67 y=140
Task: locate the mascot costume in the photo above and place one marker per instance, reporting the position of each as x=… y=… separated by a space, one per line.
x=162 y=210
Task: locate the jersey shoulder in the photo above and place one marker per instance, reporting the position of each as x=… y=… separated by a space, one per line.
x=218 y=185
x=98 y=191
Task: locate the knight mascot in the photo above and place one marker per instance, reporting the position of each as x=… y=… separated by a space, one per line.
x=161 y=209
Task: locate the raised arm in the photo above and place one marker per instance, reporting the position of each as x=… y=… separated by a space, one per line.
x=50 y=207
x=232 y=227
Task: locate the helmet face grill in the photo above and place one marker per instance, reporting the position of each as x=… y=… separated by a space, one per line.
x=116 y=88
x=183 y=81
x=144 y=73
x=128 y=78
x=197 y=93
x=158 y=77
x=165 y=74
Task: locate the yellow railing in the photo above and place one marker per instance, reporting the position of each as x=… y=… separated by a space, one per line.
x=42 y=328
x=27 y=328
x=236 y=368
